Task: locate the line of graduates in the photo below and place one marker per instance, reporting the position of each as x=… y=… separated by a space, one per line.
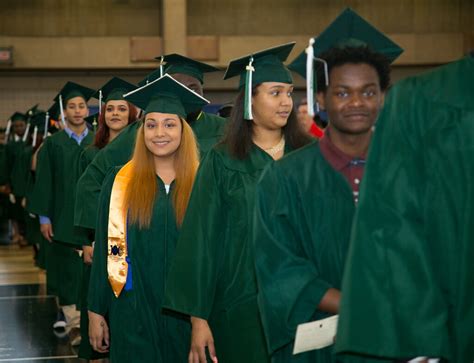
x=206 y=240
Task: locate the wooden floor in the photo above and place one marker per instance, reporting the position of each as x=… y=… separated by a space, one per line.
x=27 y=312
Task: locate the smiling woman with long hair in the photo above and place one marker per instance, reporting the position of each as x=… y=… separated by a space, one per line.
x=212 y=277
x=141 y=208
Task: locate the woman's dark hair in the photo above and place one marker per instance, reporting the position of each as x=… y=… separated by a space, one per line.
x=238 y=136
x=103 y=132
x=336 y=57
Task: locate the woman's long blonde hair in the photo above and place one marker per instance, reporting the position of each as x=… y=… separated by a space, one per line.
x=141 y=190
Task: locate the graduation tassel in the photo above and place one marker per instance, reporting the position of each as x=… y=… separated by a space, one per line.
x=25 y=136
x=94 y=124
x=248 y=91
x=310 y=78
x=326 y=76
x=35 y=135
x=62 y=111
x=100 y=102
x=7 y=131
x=161 y=67
x=46 y=124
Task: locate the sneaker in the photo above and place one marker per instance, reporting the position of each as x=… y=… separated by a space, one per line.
x=60 y=322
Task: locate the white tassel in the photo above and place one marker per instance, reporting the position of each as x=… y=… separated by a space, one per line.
x=161 y=67
x=8 y=130
x=25 y=136
x=46 y=124
x=310 y=77
x=250 y=69
x=63 y=120
x=100 y=102
x=35 y=135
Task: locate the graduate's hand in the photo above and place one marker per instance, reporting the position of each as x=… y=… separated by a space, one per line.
x=88 y=252
x=98 y=333
x=47 y=231
x=201 y=337
x=23 y=202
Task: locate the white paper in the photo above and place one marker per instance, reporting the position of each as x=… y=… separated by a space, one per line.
x=315 y=335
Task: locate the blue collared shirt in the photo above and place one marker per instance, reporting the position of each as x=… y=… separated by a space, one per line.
x=74 y=136
x=78 y=139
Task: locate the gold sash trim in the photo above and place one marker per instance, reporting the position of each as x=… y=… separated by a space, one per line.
x=117 y=266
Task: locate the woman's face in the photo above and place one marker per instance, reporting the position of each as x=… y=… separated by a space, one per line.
x=162 y=133
x=116 y=115
x=272 y=104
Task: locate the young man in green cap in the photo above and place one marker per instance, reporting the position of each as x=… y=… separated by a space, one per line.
x=207 y=128
x=53 y=198
x=408 y=285
x=306 y=201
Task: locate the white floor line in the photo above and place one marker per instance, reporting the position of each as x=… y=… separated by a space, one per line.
x=37 y=358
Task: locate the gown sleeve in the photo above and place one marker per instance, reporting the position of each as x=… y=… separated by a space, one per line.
x=42 y=196
x=290 y=285
x=192 y=279
x=100 y=291
x=89 y=187
x=391 y=304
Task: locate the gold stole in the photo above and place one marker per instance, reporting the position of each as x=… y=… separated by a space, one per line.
x=117 y=266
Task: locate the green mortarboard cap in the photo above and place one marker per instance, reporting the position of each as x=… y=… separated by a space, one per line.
x=166 y=95
x=264 y=66
x=54 y=111
x=39 y=123
x=114 y=89
x=18 y=116
x=31 y=112
x=150 y=77
x=71 y=90
x=349 y=30
x=176 y=63
x=94 y=119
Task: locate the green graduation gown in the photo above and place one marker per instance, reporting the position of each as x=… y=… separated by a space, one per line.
x=208 y=129
x=4 y=203
x=12 y=150
x=3 y=165
x=213 y=275
x=33 y=232
x=408 y=285
x=15 y=168
x=53 y=196
x=85 y=349
x=20 y=171
x=302 y=230
x=140 y=330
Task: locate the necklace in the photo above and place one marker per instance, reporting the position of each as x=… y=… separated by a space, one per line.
x=277 y=148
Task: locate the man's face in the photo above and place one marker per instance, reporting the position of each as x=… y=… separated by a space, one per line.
x=19 y=127
x=190 y=82
x=75 y=111
x=353 y=98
